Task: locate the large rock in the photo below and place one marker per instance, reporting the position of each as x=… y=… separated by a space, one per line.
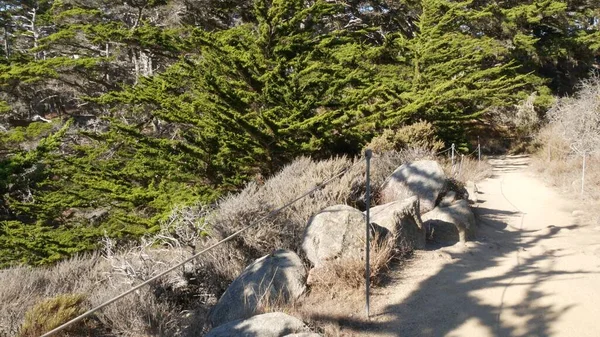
x=402 y=218
x=452 y=223
x=424 y=178
x=337 y=232
x=273 y=278
x=274 y=324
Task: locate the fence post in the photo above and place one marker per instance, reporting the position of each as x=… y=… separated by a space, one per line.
x=462 y=157
x=368 y=154
x=583 y=174
x=452 y=158
x=478 y=151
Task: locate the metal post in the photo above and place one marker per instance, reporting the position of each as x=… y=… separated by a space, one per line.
x=583 y=175
x=368 y=154
x=462 y=157
x=478 y=150
x=452 y=157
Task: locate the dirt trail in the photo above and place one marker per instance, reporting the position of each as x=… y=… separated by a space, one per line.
x=534 y=270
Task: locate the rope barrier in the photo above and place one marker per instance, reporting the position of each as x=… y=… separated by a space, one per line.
x=474 y=151
x=229 y=238
x=443 y=151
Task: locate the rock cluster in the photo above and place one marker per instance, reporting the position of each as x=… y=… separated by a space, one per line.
x=415 y=199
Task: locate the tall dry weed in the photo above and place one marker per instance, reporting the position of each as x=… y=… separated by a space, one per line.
x=572 y=135
x=467 y=168
x=25 y=287
x=344 y=275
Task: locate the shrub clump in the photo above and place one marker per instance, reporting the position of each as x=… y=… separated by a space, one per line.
x=418 y=135
x=578 y=118
x=53 y=312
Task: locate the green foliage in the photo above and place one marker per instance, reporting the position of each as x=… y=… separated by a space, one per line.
x=52 y=313
x=420 y=135
x=21 y=134
x=4 y=107
x=189 y=103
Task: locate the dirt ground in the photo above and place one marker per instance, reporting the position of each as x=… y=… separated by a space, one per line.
x=534 y=270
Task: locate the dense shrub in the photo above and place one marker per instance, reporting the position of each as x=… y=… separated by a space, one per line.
x=418 y=135
x=53 y=312
x=577 y=119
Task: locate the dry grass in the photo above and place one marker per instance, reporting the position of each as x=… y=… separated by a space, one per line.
x=574 y=132
x=341 y=275
x=562 y=168
x=173 y=306
x=23 y=288
x=467 y=168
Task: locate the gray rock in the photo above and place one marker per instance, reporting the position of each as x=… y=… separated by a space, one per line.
x=274 y=324
x=424 y=178
x=447 y=222
x=337 y=232
x=303 y=334
x=403 y=220
x=448 y=199
x=277 y=277
x=334 y=232
x=472 y=191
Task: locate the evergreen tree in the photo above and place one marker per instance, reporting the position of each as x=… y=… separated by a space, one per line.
x=455 y=74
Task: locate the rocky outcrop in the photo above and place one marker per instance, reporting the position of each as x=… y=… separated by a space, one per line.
x=274 y=324
x=337 y=232
x=277 y=277
x=402 y=218
x=455 y=222
x=424 y=179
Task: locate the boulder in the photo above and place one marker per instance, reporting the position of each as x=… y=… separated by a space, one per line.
x=423 y=178
x=303 y=334
x=403 y=220
x=276 y=277
x=337 y=232
x=452 y=223
x=273 y=324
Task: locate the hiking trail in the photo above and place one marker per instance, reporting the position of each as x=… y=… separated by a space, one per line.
x=534 y=270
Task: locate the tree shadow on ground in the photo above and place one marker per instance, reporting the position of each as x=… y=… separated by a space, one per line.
x=425 y=312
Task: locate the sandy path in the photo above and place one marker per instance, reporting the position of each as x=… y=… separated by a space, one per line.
x=534 y=271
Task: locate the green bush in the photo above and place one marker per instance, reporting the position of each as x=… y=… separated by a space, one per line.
x=421 y=134
x=52 y=313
